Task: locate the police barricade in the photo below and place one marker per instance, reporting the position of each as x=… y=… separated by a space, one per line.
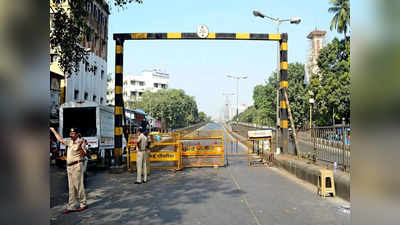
x=202 y=151
x=259 y=144
x=163 y=155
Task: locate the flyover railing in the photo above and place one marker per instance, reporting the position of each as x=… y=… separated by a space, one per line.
x=330 y=144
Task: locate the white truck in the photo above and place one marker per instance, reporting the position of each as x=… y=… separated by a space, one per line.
x=95 y=123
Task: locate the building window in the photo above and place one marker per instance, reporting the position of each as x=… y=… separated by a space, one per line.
x=88 y=36
x=102 y=74
x=133 y=93
x=132 y=82
x=101 y=100
x=86 y=66
x=52 y=20
x=94 y=98
x=86 y=96
x=76 y=94
x=141 y=83
x=53 y=58
x=155 y=85
x=94 y=11
x=163 y=86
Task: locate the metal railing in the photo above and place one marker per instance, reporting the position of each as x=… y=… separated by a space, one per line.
x=329 y=144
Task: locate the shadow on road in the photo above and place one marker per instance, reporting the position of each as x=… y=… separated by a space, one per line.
x=115 y=199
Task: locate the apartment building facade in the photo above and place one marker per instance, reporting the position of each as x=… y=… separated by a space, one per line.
x=90 y=82
x=134 y=85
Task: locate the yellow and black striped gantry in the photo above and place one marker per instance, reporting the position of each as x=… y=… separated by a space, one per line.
x=119 y=49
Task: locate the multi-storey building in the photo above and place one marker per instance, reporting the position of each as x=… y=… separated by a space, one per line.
x=135 y=85
x=90 y=82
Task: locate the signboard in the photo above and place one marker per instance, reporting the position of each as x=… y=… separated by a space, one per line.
x=203 y=150
x=259 y=133
x=202 y=31
x=159 y=156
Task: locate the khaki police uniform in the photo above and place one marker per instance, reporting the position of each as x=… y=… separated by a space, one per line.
x=141 y=159
x=75 y=175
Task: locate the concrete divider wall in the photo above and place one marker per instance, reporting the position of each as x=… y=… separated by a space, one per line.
x=310 y=173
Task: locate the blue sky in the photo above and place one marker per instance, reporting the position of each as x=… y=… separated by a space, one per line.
x=200 y=67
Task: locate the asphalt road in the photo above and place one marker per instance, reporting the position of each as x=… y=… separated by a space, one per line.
x=235 y=194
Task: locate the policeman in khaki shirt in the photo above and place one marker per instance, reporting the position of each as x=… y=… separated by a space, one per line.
x=141 y=158
x=75 y=154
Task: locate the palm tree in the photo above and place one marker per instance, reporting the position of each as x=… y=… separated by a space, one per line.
x=341 y=19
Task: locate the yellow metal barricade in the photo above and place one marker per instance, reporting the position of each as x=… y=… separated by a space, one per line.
x=171 y=155
x=189 y=151
x=203 y=151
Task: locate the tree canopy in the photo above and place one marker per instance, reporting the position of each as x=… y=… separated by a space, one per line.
x=69 y=27
x=173 y=106
x=331 y=86
x=341 y=18
x=263 y=111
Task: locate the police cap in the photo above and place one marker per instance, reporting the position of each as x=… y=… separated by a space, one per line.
x=74 y=129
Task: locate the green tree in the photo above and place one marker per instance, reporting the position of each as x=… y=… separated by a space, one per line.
x=297 y=94
x=248 y=116
x=203 y=117
x=341 y=18
x=331 y=86
x=69 y=28
x=264 y=97
x=173 y=106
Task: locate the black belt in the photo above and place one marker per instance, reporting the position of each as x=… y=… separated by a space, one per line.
x=73 y=163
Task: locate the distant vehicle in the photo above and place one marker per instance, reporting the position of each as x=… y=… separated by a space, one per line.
x=96 y=125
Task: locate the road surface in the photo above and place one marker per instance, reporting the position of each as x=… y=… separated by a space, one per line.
x=235 y=194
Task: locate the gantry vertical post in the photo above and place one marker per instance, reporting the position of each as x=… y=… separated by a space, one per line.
x=283 y=87
x=118 y=110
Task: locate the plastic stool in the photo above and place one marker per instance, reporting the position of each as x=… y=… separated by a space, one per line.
x=326 y=183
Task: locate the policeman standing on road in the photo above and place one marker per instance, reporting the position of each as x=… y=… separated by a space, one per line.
x=75 y=154
x=141 y=158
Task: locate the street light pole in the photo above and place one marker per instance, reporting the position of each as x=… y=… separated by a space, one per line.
x=237 y=94
x=311 y=101
x=237 y=102
x=277 y=21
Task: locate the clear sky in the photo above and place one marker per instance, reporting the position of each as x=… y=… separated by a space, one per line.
x=200 y=67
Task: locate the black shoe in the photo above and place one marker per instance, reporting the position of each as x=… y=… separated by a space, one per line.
x=144 y=181
x=136 y=182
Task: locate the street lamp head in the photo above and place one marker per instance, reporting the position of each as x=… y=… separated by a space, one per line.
x=244 y=77
x=256 y=13
x=295 y=20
